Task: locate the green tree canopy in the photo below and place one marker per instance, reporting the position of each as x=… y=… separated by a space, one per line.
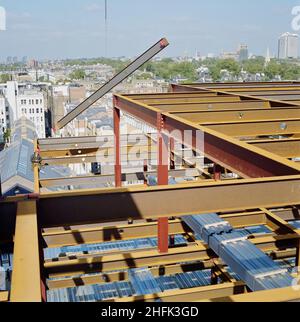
x=5 y=78
x=77 y=74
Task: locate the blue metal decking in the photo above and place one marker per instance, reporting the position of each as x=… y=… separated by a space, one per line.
x=254 y=267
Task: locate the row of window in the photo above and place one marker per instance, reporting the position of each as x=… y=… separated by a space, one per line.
x=31 y=110
x=31 y=101
x=3 y=119
x=37 y=119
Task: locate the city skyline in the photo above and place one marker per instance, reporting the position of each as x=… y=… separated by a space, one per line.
x=73 y=29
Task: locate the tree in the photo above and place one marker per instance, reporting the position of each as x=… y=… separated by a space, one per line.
x=254 y=66
x=77 y=74
x=5 y=78
x=6 y=135
x=273 y=69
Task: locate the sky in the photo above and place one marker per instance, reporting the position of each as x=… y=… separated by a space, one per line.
x=75 y=28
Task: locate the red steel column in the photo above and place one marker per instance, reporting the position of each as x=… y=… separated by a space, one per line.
x=217 y=172
x=145 y=172
x=118 y=171
x=172 y=154
x=162 y=179
x=163 y=155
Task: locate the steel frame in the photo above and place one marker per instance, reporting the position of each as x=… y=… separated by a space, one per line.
x=259 y=158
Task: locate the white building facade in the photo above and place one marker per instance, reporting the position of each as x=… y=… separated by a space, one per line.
x=26 y=101
x=288 y=46
x=4 y=117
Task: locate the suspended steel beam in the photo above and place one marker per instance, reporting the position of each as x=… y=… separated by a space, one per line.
x=26 y=276
x=136 y=64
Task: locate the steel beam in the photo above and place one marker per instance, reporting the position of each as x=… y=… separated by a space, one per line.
x=103 y=179
x=139 y=97
x=162 y=179
x=206 y=107
x=123 y=276
x=72 y=236
x=208 y=99
x=167 y=201
x=190 y=295
x=286 y=148
x=102 y=234
x=118 y=170
x=133 y=157
x=239 y=129
x=136 y=64
x=264 y=114
x=229 y=153
x=277 y=295
x=26 y=277
x=106 y=263
x=4 y=296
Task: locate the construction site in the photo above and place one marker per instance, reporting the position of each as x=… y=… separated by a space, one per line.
x=211 y=218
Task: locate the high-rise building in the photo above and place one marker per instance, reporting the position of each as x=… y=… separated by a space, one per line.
x=24 y=60
x=288 y=46
x=243 y=52
x=9 y=60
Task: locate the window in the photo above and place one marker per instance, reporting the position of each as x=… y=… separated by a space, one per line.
x=37 y=110
x=41 y=101
x=36 y=101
